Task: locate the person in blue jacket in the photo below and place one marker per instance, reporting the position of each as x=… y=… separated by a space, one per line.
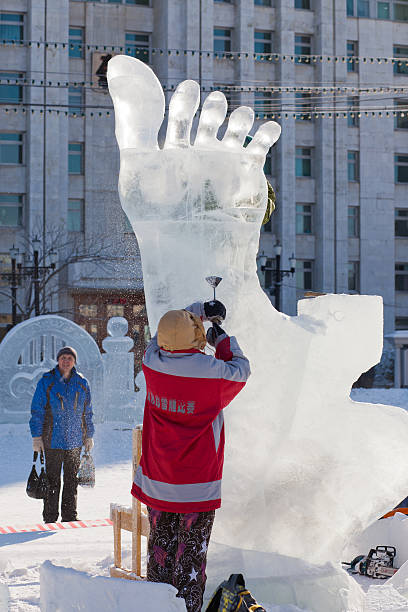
x=60 y=424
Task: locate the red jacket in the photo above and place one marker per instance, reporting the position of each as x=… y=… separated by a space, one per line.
x=183 y=427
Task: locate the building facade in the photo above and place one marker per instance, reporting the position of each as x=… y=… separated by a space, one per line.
x=332 y=73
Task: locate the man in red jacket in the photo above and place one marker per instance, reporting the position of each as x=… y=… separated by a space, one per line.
x=180 y=471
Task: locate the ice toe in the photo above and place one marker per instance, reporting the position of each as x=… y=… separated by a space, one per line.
x=183 y=106
x=212 y=115
x=264 y=138
x=138 y=100
x=239 y=124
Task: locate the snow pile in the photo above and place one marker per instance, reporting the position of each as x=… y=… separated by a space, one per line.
x=65 y=590
x=283 y=584
x=4 y=596
x=285 y=581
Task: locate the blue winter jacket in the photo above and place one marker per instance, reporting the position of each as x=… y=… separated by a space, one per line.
x=61 y=410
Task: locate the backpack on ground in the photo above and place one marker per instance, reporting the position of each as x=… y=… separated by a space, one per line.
x=231 y=595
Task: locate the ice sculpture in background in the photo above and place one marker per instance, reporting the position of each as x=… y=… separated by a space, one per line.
x=303 y=471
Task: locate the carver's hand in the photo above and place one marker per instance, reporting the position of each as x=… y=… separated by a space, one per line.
x=88 y=444
x=38 y=444
x=213 y=333
x=215 y=311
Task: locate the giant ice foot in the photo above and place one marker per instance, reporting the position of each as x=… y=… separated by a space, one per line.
x=299 y=475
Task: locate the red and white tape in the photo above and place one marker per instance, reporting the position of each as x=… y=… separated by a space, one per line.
x=56 y=526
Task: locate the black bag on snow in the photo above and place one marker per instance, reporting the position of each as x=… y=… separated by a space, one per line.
x=231 y=595
x=86 y=472
x=37 y=485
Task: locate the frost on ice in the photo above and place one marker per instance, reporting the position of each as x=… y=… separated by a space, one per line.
x=305 y=466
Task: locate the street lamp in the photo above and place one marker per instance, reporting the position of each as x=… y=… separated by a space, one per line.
x=19 y=271
x=13 y=286
x=277 y=273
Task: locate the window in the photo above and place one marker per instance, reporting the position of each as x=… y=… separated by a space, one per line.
x=303 y=47
x=304 y=275
x=75 y=100
x=229 y=1
x=401 y=168
x=401 y=277
x=222 y=40
x=139 y=310
x=88 y=310
x=11 y=27
x=353 y=173
x=141 y=2
x=75 y=158
x=11 y=210
x=352 y=54
x=400 y=11
x=263 y=2
x=76 y=42
x=401 y=222
x=303 y=161
x=363 y=8
x=353 y=110
x=138 y=45
x=11 y=148
x=359 y=8
x=302 y=4
x=5 y=268
x=400 y=66
x=127 y=226
x=353 y=221
x=262 y=102
x=383 y=10
x=75 y=217
x=262 y=43
x=303 y=104
x=115 y=310
x=10 y=91
x=268 y=164
x=353 y=276
x=303 y=218
x=401 y=119
x=401 y=323
x=268 y=276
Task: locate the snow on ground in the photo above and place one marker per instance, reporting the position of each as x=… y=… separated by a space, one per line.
x=88 y=553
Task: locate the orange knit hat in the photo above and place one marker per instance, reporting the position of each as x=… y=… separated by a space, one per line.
x=180 y=329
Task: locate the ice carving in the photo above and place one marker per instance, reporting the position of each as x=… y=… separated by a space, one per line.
x=302 y=473
x=118 y=365
x=29 y=350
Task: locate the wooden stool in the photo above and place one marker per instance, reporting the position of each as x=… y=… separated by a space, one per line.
x=131 y=519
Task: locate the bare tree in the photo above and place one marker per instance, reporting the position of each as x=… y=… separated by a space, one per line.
x=41 y=278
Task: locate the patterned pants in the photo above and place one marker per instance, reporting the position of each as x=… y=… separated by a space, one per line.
x=177 y=552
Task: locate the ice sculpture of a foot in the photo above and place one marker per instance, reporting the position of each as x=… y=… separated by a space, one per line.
x=305 y=466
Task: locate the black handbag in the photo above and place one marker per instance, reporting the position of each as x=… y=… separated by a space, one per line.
x=37 y=485
x=231 y=595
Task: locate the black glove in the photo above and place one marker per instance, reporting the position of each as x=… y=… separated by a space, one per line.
x=213 y=333
x=215 y=311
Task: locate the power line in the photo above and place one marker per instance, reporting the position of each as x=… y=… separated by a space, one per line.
x=303 y=58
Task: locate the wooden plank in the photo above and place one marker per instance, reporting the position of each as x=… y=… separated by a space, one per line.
x=119 y=572
x=117 y=537
x=126 y=519
x=136 y=506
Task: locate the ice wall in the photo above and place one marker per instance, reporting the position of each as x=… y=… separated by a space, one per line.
x=299 y=473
